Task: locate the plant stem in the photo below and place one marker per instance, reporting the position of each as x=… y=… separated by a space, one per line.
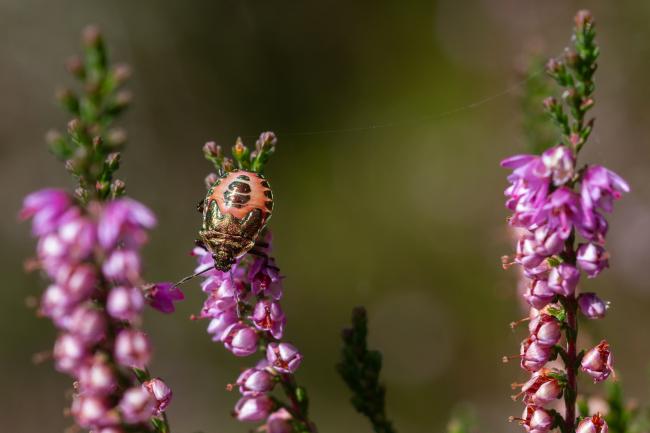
x=571 y=391
x=298 y=401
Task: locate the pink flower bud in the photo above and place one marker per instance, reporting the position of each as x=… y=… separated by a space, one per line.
x=268 y=316
x=537 y=420
x=240 y=339
x=563 y=279
x=592 y=306
x=254 y=408
x=137 y=405
x=55 y=304
x=97 y=378
x=132 y=348
x=538 y=294
x=279 y=422
x=592 y=259
x=122 y=266
x=160 y=392
x=69 y=352
x=255 y=381
x=93 y=411
x=221 y=323
x=597 y=362
x=78 y=281
x=87 y=323
x=593 y=424
x=548 y=242
x=284 y=357
x=533 y=355
x=545 y=329
x=526 y=252
x=125 y=303
x=542 y=388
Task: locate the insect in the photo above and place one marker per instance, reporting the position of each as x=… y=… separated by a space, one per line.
x=235 y=210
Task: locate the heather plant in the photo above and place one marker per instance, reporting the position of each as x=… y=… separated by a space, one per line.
x=88 y=247
x=558 y=209
x=243 y=308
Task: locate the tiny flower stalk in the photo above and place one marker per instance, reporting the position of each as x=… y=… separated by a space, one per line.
x=360 y=369
x=88 y=248
x=559 y=209
x=243 y=287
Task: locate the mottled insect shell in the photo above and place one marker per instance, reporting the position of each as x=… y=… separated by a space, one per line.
x=235 y=211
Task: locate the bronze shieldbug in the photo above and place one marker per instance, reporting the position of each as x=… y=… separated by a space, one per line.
x=235 y=210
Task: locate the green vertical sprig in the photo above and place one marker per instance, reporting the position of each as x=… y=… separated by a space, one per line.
x=90 y=146
x=360 y=369
x=574 y=72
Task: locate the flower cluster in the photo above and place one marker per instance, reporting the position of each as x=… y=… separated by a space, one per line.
x=91 y=255
x=243 y=306
x=559 y=210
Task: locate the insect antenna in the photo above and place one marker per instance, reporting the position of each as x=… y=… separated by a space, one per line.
x=189 y=277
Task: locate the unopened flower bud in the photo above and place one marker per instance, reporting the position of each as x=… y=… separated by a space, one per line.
x=118 y=187
x=563 y=279
x=538 y=294
x=93 y=411
x=592 y=424
x=240 y=339
x=116 y=138
x=132 y=348
x=597 y=362
x=212 y=150
x=255 y=381
x=91 y=36
x=266 y=142
x=125 y=303
x=254 y=408
x=113 y=161
x=210 y=180
x=583 y=19
x=137 y=405
x=533 y=354
x=160 y=392
x=97 y=377
x=87 y=323
x=592 y=259
x=69 y=352
x=536 y=420
x=279 y=422
x=592 y=306
x=543 y=387
x=121 y=73
x=545 y=329
x=75 y=66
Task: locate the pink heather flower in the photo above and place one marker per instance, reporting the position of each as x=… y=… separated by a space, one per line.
x=528 y=190
x=265 y=279
x=137 y=405
x=108 y=430
x=592 y=424
x=268 y=316
x=78 y=281
x=560 y=162
x=545 y=329
x=97 y=378
x=536 y=419
x=87 y=323
x=283 y=357
x=69 y=352
x=124 y=221
x=279 y=422
x=542 y=388
x=254 y=408
x=560 y=211
x=548 y=242
x=161 y=393
x=563 y=279
x=526 y=251
x=255 y=381
x=217 y=303
x=593 y=226
x=221 y=323
x=592 y=306
x=240 y=339
x=533 y=355
x=45 y=207
x=93 y=411
x=592 y=259
x=132 y=348
x=125 y=303
x=162 y=296
x=538 y=294
x=55 y=304
x=597 y=362
x=77 y=233
x=600 y=187
x=122 y=266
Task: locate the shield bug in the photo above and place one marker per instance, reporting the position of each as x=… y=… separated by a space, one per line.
x=235 y=211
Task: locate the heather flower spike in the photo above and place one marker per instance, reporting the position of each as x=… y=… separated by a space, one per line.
x=557 y=208
x=88 y=247
x=243 y=286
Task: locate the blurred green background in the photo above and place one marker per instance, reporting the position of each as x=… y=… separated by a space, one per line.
x=406 y=220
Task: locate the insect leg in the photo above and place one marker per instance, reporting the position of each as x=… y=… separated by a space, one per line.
x=200 y=205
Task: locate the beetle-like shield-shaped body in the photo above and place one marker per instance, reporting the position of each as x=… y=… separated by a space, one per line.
x=235 y=211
